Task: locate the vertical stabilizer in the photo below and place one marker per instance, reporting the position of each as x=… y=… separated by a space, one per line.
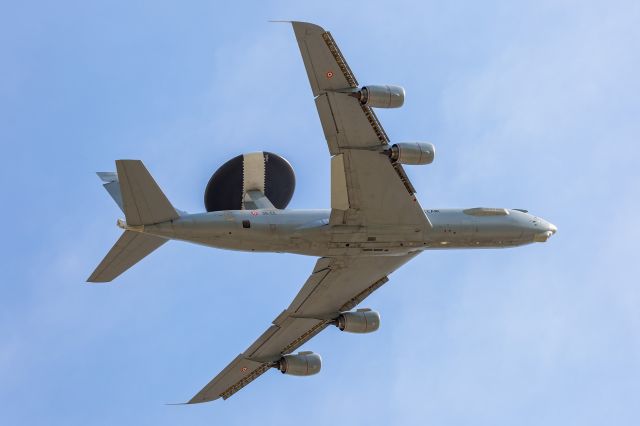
x=112 y=186
x=142 y=199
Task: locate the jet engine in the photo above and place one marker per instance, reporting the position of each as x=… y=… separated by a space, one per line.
x=381 y=96
x=360 y=321
x=301 y=364
x=412 y=153
x=260 y=171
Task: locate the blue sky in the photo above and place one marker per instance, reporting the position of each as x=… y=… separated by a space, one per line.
x=530 y=105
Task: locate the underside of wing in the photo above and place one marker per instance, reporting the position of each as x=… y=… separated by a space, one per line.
x=368 y=188
x=335 y=286
x=346 y=122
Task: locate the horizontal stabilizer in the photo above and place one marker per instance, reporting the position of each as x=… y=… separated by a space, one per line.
x=112 y=186
x=128 y=250
x=142 y=199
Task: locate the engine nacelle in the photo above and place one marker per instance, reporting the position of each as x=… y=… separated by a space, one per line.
x=382 y=96
x=301 y=364
x=412 y=153
x=360 y=321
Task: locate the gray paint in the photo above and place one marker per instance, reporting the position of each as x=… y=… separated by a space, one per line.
x=307 y=232
x=375 y=226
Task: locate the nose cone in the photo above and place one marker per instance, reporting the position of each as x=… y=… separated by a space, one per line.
x=546 y=231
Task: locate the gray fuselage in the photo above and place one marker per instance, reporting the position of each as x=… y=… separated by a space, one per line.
x=308 y=232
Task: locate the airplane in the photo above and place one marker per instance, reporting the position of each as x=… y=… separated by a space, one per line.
x=375 y=224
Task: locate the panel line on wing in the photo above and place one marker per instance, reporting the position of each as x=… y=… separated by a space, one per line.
x=264 y=338
x=315 y=73
x=333 y=114
x=301 y=298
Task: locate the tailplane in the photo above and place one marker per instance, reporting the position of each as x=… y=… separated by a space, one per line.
x=112 y=186
x=131 y=248
x=143 y=203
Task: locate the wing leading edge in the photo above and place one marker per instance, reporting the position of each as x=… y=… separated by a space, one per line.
x=336 y=285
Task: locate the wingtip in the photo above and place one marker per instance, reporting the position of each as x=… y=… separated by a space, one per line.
x=194 y=401
x=301 y=25
x=96 y=279
x=107 y=176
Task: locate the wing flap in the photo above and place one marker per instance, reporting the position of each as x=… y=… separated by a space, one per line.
x=347 y=124
x=367 y=173
x=378 y=193
x=307 y=289
x=328 y=122
x=353 y=122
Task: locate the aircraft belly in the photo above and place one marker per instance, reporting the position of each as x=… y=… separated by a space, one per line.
x=308 y=233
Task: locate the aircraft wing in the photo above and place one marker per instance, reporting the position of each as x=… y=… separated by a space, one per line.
x=336 y=285
x=367 y=188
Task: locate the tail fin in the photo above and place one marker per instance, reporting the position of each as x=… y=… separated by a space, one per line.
x=143 y=203
x=142 y=200
x=131 y=248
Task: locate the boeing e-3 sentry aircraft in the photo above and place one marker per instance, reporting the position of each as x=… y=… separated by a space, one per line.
x=374 y=226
